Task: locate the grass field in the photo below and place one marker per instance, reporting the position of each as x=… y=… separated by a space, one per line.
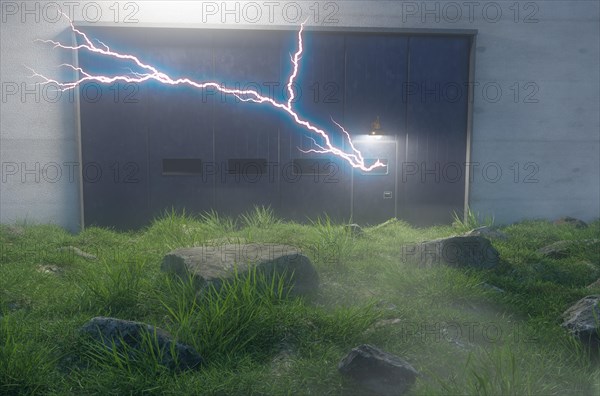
x=464 y=337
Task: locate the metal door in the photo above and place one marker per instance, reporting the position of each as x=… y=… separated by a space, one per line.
x=376 y=74
x=374 y=192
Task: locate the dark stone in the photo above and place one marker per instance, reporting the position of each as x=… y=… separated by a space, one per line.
x=215 y=264
x=454 y=251
x=117 y=332
x=583 y=319
x=225 y=241
x=487 y=232
x=378 y=371
x=571 y=221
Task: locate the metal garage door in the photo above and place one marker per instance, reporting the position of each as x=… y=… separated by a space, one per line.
x=151 y=147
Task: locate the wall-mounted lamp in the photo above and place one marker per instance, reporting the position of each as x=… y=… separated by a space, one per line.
x=376 y=128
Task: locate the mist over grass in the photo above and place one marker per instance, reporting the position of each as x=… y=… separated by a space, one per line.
x=463 y=337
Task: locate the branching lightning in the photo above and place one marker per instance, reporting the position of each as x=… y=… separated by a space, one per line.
x=354 y=157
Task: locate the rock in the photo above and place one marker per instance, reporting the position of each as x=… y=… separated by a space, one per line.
x=556 y=250
x=77 y=252
x=354 y=229
x=583 y=319
x=49 y=269
x=561 y=249
x=117 y=332
x=214 y=264
x=225 y=241
x=594 y=285
x=490 y=287
x=487 y=232
x=454 y=251
x=378 y=371
x=571 y=221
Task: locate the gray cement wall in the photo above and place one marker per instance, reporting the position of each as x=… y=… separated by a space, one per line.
x=536 y=122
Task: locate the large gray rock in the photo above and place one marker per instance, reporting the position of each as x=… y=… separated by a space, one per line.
x=487 y=232
x=377 y=371
x=225 y=241
x=215 y=264
x=454 y=251
x=583 y=319
x=115 y=333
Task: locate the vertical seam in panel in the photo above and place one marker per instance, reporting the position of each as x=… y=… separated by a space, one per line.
x=216 y=166
x=344 y=117
x=79 y=143
x=470 y=98
x=405 y=159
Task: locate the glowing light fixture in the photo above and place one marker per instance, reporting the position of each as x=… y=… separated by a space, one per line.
x=376 y=128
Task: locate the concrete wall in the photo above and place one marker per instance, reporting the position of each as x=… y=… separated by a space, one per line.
x=536 y=122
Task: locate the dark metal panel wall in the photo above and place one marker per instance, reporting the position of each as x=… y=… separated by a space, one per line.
x=114 y=148
x=246 y=134
x=179 y=126
x=375 y=79
x=412 y=84
x=324 y=186
x=436 y=129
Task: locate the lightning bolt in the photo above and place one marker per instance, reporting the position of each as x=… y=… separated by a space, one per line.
x=354 y=157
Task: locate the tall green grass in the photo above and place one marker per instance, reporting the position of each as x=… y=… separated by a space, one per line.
x=26 y=365
x=332 y=244
x=260 y=217
x=255 y=339
x=470 y=220
x=115 y=286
